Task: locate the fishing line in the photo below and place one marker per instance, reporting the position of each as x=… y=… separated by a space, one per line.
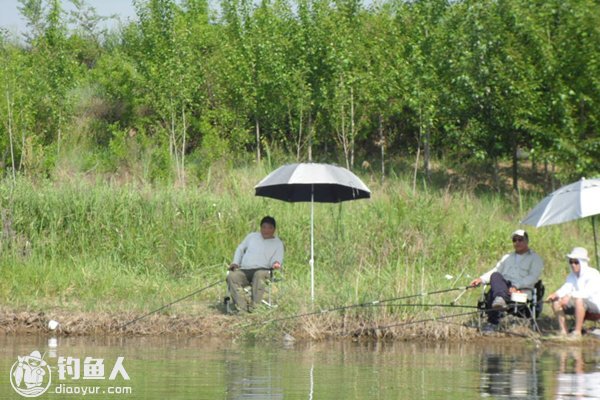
x=425 y=294
x=214 y=266
x=173 y=302
x=367 y=304
x=435 y=318
x=426 y=320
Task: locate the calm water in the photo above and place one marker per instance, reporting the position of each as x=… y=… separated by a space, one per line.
x=197 y=368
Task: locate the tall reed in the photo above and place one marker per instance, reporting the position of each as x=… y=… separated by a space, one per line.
x=100 y=247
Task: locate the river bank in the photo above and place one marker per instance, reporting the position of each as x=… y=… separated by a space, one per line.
x=95 y=256
x=89 y=323
x=215 y=324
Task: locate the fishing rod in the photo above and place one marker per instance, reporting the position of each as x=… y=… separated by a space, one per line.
x=443 y=318
x=425 y=294
x=421 y=305
x=367 y=304
x=171 y=303
x=460 y=295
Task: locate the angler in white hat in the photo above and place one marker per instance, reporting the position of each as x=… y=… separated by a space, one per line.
x=580 y=292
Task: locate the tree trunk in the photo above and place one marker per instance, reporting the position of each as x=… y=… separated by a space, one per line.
x=183 y=139
x=23 y=147
x=496 y=173
x=382 y=146
x=515 y=167
x=426 y=153
x=257 y=128
x=352 y=128
x=418 y=149
x=299 y=135
x=300 y=126
x=416 y=167
x=59 y=138
x=343 y=137
x=173 y=143
x=10 y=135
x=310 y=130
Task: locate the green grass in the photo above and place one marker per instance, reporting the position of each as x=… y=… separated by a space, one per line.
x=90 y=246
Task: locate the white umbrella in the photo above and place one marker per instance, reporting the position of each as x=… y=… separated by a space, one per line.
x=304 y=182
x=577 y=200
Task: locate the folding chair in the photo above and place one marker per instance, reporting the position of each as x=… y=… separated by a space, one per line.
x=530 y=309
x=594 y=317
x=227 y=300
x=269 y=302
x=591 y=317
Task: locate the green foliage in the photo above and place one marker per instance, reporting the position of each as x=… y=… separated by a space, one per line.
x=73 y=243
x=471 y=81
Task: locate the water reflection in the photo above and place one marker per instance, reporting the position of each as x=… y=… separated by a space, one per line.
x=312 y=382
x=558 y=372
x=577 y=377
x=512 y=375
x=200 y=368
x=252 y=374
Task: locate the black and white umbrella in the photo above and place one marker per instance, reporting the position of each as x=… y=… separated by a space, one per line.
x=321 y=183
x=577 y=200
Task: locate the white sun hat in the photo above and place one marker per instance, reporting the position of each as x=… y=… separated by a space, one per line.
x=579 y=253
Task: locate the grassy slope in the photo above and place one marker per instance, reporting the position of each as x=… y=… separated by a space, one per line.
x=95 y=247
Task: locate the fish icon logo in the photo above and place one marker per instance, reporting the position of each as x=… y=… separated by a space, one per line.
x=30 y=376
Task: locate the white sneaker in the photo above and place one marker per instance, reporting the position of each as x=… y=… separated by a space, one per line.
x=595 y=332
x=499 y=303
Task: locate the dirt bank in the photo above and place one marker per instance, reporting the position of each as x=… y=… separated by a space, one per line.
x=79 y=323
x=216 y=324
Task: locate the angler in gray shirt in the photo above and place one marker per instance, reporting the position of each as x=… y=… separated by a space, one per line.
x=515 y=272
x=254 y=259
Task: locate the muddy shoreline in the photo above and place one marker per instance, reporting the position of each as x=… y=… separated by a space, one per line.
x=88 y=324
x=216 y=325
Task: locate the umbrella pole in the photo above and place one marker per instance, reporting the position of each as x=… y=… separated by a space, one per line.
x=312 y=244
x=595 y=240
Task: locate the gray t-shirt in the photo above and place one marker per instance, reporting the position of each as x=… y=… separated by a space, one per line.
x=256 y=252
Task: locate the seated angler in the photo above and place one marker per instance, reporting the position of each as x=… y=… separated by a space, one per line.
x=253 y=261
x=516 y=271
x=579 y=294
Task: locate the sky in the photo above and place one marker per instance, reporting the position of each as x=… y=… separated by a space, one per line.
x=11 y=19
